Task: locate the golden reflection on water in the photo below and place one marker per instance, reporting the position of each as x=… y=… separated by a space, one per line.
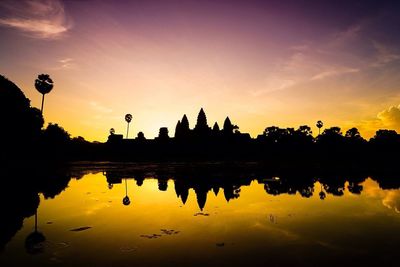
x=157 y=228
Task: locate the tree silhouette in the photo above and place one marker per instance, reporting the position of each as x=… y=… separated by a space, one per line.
x=21 y=123
x=128 y=119
x=44 y=84
x=112 y=131
x=274 y=134
x=55 y=135
x=386 y=136
x=319 y=125
x=331 y=137
x=353 y=133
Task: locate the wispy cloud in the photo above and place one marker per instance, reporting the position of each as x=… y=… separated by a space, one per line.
x=384 y=55
x=45 y=19
x=65 y=64
x=99 y=108
x=334 y=72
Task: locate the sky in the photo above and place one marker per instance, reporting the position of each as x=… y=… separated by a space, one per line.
x=262 y=63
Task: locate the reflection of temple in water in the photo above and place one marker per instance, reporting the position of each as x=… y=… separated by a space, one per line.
x=201 y=179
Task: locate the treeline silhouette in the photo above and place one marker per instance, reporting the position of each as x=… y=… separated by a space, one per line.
x=21 y=186
x=24 y=138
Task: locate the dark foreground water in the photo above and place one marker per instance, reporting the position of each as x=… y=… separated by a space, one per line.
x=113 y=217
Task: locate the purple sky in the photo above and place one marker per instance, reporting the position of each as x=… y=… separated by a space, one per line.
x=263 y=63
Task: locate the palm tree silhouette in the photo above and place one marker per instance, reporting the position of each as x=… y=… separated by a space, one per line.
x=319 y=125
x=128 y=119
x=44 y=84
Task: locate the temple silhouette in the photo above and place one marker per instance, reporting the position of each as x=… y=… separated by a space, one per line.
x=26 y=139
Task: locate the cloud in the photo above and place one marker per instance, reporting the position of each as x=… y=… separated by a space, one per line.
x=392 y=200
x=99 y=108
x=66 y=64
x=43 y=19
x=384 y=55
x=390 y=117
x=273 y=85
x=386 y=119
x=334 y=72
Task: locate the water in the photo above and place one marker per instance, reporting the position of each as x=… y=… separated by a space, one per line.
x=177 y=221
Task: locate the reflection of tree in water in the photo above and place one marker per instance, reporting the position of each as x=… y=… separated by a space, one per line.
x=34 y=241
x=387 y=180
x=289 y=184
x=126 y=201
x=202 y=180
x=162 y=183
x=231 y=192
x=322 y=194
x=30 y=183
x=333 y=184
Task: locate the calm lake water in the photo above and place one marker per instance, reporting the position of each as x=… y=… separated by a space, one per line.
x=178 y=221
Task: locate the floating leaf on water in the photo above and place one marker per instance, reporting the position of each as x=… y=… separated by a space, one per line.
x=127 y=249
x=80 y=229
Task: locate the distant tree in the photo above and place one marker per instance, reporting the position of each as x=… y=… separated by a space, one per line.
x=334 y=131
x=331 y=137
x=305 y=130
x=79 y=139
x=303 y=135
x=354 y=137
x=319 y=125
x=56 y=135
x=275 y=134
x=353 y=133
x=112 y=131
x=386 y=137
x=44 y=84
x=128 y=119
